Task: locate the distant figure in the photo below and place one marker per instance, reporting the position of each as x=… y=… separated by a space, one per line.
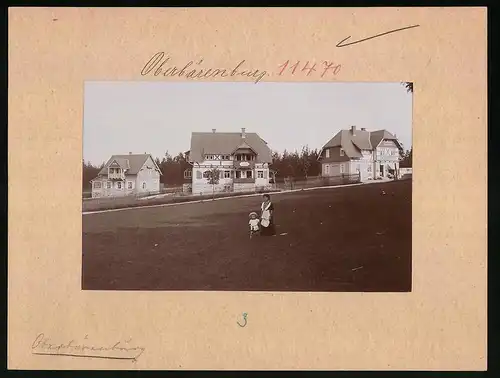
x=254 y=224
x=267 y=217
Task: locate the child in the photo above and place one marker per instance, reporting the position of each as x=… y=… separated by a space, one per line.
x=253 y=223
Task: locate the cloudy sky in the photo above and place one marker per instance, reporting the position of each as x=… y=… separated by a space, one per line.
x=155 y=117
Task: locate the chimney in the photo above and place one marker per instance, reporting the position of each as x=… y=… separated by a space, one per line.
x=214 y=130
x=243 y=134
x=130 y=153
x=353 y=130
x=363 y=129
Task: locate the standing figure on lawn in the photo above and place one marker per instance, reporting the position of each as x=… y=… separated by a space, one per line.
x=254 y=224
x=267 y=217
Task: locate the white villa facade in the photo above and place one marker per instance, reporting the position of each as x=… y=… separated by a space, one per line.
x=242 y=159
x=124 y=175
x=371 y=154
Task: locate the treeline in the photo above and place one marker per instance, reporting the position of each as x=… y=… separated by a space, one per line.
x=89 y=172
x=406 y=159
x=172 y=168
x=296 y=164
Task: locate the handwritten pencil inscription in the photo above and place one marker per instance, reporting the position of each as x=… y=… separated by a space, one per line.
x=118 y=350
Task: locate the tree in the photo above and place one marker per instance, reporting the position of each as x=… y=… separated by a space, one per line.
x=408 y=85
x=305 y=161
x=213 y=176
x=406 y=160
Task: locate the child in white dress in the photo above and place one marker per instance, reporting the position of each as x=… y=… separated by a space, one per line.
x=254 y=224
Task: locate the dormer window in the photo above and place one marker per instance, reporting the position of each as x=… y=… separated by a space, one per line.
x=342 y=153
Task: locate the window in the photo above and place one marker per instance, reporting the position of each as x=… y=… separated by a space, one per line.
x=108 y=185
x=327 y=152
x=119 y=185
x=238 y=174
x=198 y=175
x=129 y=185
x=97 y=185
x=188 y=173
x=227 y=174
x=143 y=185
x=327 y=169
x=249 y=174
x=341 y=168
x=369 y=168
x=358 y=167
x=206 y=174
x=260 y=174
x=342 y=153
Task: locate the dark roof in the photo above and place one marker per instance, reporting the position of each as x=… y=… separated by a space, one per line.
x=133 y=163
x=377 y=136
x=352 y=144
x=227 y=143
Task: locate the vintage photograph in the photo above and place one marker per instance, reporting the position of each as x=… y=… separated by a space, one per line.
x=237 y=186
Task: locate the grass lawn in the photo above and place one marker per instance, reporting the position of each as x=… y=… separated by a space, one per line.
x=340 y=239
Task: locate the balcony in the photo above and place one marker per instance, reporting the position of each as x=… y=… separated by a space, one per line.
x=244 y=180
x=116 y=176
x=244 y=164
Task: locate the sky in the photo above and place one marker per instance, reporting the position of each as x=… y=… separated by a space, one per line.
x=156 y=117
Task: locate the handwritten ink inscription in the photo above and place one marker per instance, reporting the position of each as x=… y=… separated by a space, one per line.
x=159 y=64
x=323 y=69
x=343 y=43
x=118 y=350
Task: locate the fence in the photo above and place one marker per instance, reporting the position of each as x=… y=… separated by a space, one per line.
x=176 y=195
x=316 y=181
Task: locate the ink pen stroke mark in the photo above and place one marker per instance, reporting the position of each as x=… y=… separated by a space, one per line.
x=374 y=36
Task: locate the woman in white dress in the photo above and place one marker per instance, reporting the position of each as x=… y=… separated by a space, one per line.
x=267 y=217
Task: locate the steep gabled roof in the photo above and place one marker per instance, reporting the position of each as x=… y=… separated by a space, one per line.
x=227 y=143
x=243 y=146
x=352 y=144
x=377 y=136
x=119 y=163
x=132 y=162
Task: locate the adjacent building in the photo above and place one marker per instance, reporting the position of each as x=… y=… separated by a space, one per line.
x=123 y=175
x=242 y=160
x=369 y=154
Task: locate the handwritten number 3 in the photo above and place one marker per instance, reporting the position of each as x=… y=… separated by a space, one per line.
x=245 y=319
